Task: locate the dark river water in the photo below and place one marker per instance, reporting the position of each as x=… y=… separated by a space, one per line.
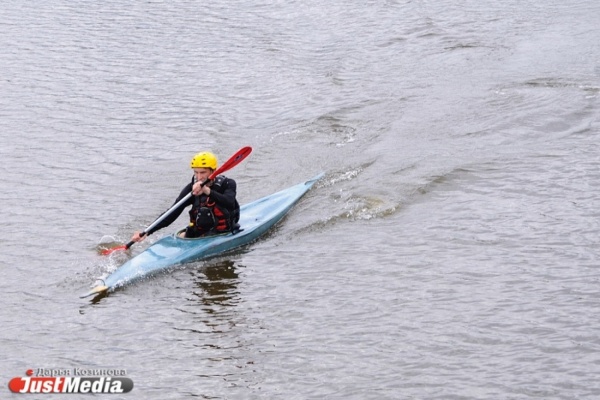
x=450 y=251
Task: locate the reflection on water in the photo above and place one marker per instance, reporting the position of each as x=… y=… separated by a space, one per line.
x=216 y=294
x=218 y=283
x=216 y=328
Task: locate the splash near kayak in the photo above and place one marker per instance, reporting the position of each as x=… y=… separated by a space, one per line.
x=256 y=218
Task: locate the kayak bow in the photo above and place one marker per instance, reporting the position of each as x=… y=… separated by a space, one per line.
x=256 y=218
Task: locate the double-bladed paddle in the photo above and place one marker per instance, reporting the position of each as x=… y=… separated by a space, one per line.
x=234 y=160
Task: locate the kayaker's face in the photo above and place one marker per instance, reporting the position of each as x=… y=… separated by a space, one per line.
x=202 y=174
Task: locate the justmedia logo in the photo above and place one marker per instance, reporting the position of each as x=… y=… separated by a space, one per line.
x=71 y=381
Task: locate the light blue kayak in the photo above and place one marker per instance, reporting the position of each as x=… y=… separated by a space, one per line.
x=255 y=219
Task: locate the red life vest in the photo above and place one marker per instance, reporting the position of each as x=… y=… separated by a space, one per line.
x=207 y=217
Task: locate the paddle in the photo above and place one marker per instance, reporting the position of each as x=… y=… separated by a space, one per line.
x=234 y=160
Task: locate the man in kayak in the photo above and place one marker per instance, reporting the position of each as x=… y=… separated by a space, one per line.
x=214 y=206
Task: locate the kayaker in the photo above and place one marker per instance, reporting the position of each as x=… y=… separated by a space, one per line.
x=214 y=206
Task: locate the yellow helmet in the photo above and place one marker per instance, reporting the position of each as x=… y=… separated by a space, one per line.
x=204 y=160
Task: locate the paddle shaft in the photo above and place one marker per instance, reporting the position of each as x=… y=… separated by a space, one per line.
x=161 y=218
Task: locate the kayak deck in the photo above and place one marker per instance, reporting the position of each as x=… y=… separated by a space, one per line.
x=256 y=218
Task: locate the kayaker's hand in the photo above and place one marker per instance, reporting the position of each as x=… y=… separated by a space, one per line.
x=197 y=189
x=137 y=237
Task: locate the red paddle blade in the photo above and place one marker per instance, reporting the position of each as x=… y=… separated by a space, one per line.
x=106 y=252
x=234 y=160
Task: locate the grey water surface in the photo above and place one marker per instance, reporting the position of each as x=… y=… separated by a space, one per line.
x=450 y=251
